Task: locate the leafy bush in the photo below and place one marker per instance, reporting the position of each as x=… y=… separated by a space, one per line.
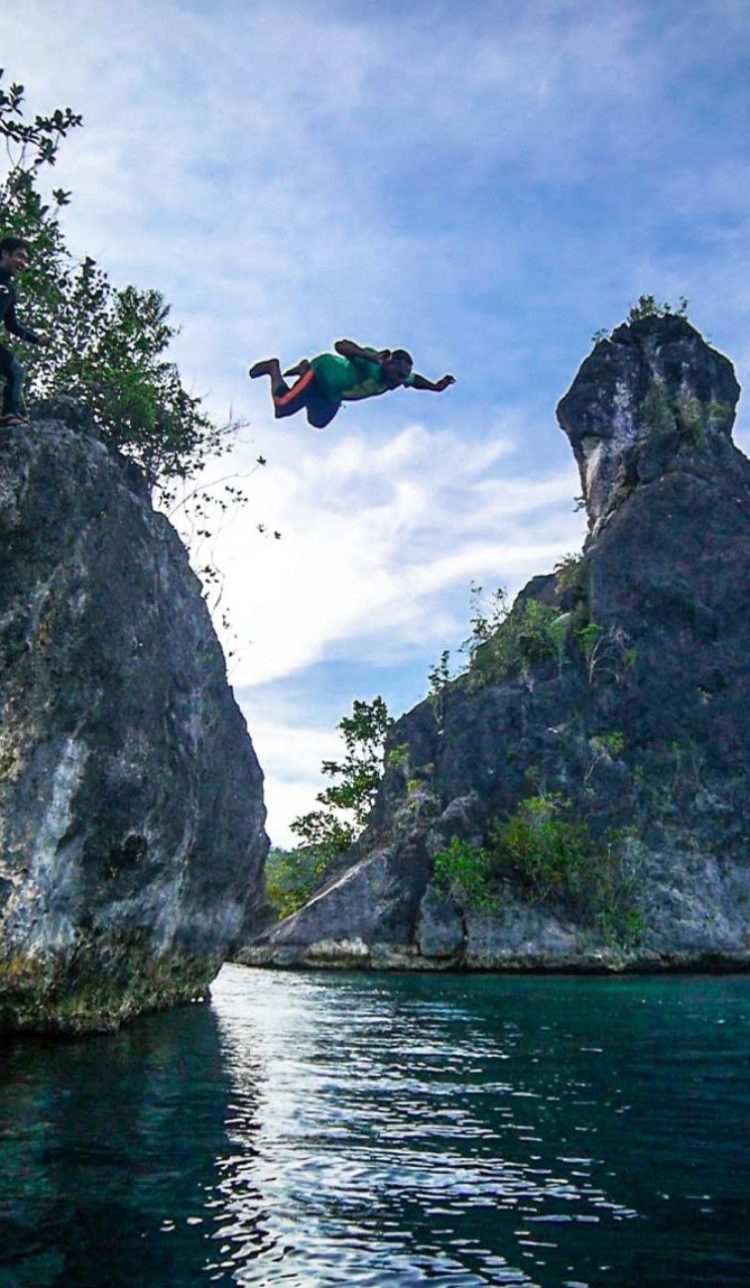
x=531 y=633
x=663 y=413
x=607 y=653
x=569 y=574
x=556 y=859
x=463 y=871
x=548 y=853
x=647 y=307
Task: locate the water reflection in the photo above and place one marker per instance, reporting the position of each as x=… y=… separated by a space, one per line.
x=316 y=1130
x=497 y=1131
x=108 y=1148
x=399 y=1141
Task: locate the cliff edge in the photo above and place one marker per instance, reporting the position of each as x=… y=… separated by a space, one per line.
x=131 y=810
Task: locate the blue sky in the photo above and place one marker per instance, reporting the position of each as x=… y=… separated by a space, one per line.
x=485 y=184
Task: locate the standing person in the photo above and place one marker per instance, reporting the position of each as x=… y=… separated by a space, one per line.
x=347 y=375
x=14 y=258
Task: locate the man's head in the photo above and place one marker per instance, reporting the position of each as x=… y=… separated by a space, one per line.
x=397 y=367
x=14 y=255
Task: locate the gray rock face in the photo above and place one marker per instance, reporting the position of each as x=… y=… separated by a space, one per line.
x=639 y=395
x=637 y=717
x=131 y=812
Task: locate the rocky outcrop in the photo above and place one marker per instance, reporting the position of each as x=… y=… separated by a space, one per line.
x=593 y=764
x=131 y=812
x=641 y=396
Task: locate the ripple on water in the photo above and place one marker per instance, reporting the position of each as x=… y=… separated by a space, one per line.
x=392 y=1131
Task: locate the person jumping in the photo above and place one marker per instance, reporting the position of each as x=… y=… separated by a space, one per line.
x=14 y=258
x=347 y=375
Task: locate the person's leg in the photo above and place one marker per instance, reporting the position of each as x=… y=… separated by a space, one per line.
x=287 y=402
x=13 y=372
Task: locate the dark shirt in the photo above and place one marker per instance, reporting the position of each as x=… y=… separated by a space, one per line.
x=8 y=310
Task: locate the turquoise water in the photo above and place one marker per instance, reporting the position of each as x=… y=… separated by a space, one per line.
x=391 y=1131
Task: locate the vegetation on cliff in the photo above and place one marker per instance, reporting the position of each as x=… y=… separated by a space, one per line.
x=110 y=344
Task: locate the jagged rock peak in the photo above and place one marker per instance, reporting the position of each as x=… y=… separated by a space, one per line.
x=131 y=810
x=653 y=393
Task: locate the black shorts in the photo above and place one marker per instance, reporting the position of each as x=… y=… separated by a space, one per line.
x=305 y=393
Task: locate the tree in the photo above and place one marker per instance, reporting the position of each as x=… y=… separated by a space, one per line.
x=110 y=344
x=327 y=833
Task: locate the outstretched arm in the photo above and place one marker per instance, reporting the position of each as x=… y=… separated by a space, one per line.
x=436 y=386
x=348 y=349
x=14 y=327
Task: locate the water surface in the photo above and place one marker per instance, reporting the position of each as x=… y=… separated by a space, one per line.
x=308 y=1130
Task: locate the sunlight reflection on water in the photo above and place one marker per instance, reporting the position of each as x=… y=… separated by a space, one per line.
x=310 y=1129
x=396 y=1139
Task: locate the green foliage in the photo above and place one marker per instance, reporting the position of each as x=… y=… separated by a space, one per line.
x=531 y=633
x=547 y=852
x=610 y=744
x=41 y=137
x=463 y=871
x=647 y=307
x=556 y=859
x=606 y=652
x=397 y=756
x=109 y=344
x=605 y=747
x=439 y=679
x=486 y=618
x=663 y=413
x=657 y=411
x=288 y=883
x=569 y=574
x=361 y=770
x=291 y=876
x=327 y=833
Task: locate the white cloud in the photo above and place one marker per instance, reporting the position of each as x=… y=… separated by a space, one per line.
x=486 y=189
x=375 y=533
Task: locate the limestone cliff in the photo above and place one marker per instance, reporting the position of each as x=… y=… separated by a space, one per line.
x=131 y=811
x=596 y=755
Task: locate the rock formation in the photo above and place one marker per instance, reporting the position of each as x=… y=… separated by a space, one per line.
x=131 y=813
x=592 y=766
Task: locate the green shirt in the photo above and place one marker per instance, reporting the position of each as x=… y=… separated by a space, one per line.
x=347 y=379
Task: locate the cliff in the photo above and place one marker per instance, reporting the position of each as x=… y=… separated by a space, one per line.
x=131 y=811
x=580 y=799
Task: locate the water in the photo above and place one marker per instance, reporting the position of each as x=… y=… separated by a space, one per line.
x=389 y=1131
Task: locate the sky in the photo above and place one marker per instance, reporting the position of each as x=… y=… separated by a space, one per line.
x=486 y=185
